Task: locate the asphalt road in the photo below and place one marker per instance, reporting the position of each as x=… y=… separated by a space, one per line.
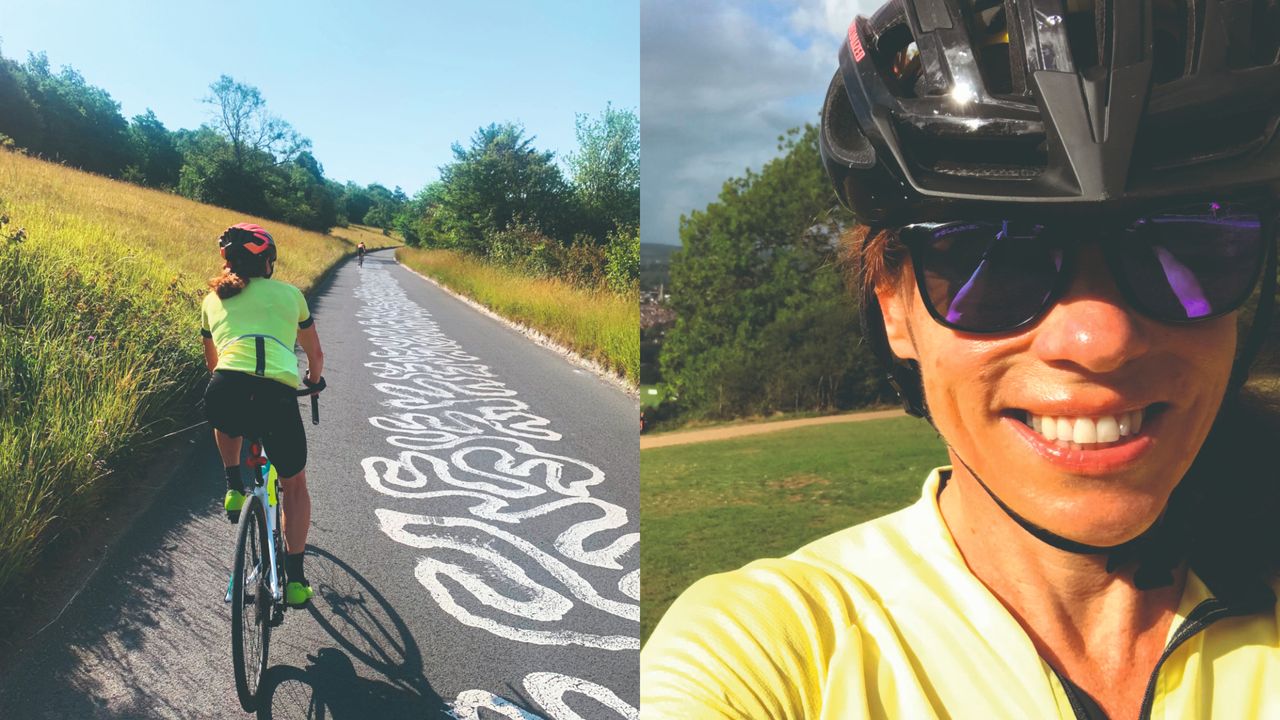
x=474 y=544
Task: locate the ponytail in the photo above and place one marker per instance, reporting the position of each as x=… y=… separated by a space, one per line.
x=235 y=278
x=228 y=284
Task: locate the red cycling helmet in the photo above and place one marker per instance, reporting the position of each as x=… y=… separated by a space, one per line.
x=246 y=240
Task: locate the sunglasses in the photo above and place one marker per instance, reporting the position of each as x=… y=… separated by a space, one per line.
x=1179 y=265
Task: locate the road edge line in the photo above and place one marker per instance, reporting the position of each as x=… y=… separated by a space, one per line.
x=539 y=338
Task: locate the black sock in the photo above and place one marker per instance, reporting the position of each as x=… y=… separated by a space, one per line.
x=234 y=481
x=293 y=568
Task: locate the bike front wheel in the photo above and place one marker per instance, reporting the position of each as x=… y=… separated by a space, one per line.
x=250 y=602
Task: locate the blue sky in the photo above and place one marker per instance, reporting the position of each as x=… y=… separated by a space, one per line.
x=720 y=80
x=381 y=88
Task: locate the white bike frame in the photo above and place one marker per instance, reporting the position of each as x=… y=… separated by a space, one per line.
x=265 y=493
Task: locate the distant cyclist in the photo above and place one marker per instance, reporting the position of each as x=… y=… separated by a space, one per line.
x=360 y=252
x=250 y=324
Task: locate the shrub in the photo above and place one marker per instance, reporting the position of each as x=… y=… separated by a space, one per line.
x=622 y=269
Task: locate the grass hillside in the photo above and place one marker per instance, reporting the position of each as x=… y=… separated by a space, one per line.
x=600 y=325
x=100 y=283
x=715 y=506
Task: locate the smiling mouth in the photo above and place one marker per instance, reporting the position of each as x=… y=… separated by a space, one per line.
x=1090 y=433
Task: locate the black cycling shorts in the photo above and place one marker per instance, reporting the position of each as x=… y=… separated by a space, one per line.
x=241 y=404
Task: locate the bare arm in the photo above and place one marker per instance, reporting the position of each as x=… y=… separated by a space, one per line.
x=309 y=339
x=210 y=354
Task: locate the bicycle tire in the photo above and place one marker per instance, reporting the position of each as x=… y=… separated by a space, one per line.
x=249 y=659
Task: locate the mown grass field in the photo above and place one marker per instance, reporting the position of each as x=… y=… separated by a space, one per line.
x=597 y=324
x=99 y=341
x=711 y=507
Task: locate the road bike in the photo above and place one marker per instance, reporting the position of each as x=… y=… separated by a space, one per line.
x=360 y=256
x=257 y=570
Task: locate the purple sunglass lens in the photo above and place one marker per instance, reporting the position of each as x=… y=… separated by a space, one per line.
x=1194 y=262
x=988 y=276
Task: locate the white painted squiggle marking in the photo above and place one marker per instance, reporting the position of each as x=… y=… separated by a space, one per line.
x=471 y=702
x=467 y=444
x=549 y=691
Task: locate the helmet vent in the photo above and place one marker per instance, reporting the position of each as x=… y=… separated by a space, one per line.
x=989 y=31
x=898 y=58
x=954 y=150
x=1169 y=142
x=1253 y=37
x=1173 y=32
x=1085 y=24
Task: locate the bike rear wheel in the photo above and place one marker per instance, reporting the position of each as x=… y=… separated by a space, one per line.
x=251 y=602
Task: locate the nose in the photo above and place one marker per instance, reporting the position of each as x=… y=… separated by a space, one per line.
x=1092 y=327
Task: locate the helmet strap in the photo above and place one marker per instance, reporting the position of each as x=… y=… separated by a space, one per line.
x=1151 y=551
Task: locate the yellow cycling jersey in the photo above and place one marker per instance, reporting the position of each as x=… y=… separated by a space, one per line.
x=885 y=620
x=256 y=329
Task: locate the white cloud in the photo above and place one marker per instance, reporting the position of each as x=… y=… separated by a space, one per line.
x=829 y=18
x=719 y=81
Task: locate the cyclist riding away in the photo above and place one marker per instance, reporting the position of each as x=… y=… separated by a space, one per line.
x=360 y=251
x=250 y=324
x=1064 y=207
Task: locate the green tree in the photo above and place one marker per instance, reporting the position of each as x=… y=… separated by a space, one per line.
x=19 y=119
x=763 y=322
x=262 y=165
x=622 y=268
x=156 y=159
x=606 y=171
x=496 y=182
x=210 y=173
x=357 y=202
x=299 y=195
x=81 y=124
x=240 y=114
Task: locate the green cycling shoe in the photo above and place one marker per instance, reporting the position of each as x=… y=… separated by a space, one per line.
x=233 y=502
x=298 y=594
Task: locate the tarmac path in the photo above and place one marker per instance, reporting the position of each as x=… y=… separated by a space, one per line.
x=474 y=544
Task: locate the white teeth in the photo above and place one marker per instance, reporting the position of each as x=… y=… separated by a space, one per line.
x=1108 y=429
x=1065 y=429
x=1049 y=428
x=1086 y=430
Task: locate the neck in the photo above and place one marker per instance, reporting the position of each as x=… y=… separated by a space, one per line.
x=1081 y=618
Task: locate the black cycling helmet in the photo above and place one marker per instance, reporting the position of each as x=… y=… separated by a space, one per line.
x=1050 y=106
x=1057 y=103
x=245 y=242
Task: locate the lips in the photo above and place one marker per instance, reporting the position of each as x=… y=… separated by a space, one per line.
x=1093 y=444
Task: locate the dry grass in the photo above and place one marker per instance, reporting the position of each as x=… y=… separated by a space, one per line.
x=99 y=344
x=598 y=324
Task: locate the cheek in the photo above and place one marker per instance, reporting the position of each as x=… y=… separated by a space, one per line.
x=961 y=374
x=1206 y=354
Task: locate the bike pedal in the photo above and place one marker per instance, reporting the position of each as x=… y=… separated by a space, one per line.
x=233 y=516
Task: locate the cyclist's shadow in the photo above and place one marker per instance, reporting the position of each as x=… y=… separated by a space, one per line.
x=366 y=627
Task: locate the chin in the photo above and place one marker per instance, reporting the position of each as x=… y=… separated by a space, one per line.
x=1107 y=518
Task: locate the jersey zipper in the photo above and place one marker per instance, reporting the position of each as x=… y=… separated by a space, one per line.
x=1200 y=617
